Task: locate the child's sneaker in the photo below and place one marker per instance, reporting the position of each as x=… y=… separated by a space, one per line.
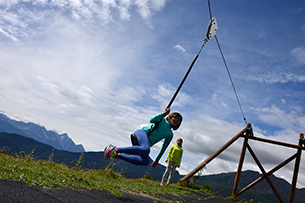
x=161 y=184
x=110 y=151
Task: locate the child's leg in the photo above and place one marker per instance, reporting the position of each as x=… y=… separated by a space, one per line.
x=136 y=154
x=165 y=173
x=135 y=159
x=142 y=149
x=171 y=172
x=134 y=150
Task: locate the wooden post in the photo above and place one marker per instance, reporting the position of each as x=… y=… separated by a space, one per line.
x=240 y=165
x=296 y=171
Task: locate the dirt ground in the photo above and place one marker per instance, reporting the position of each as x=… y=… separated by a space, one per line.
x=14 y=191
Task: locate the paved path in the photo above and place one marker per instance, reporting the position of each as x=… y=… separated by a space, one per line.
x=14 y=191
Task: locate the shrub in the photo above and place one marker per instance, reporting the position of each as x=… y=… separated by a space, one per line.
x=189 y=184
x=51 y=156
x=110 y=173
x=79 y=162
x=208 y=189
x=147 y=176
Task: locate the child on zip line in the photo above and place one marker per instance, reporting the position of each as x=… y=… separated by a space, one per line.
x=139 y=153
x=174 y=160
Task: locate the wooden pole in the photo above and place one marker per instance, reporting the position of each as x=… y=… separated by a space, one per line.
x=240 y=165
x=296 y=171
x=274 y=142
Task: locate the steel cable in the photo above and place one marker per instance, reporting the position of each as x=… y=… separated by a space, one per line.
x=224 y=60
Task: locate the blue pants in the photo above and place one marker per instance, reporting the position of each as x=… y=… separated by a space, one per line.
x=138 y=155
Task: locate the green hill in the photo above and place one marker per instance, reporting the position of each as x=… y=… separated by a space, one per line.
x=48 y=174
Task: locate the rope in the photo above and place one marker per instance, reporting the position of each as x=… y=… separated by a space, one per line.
x=224 y=60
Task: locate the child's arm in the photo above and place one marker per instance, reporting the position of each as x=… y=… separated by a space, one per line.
x=164 y=146
x=180 y=158
x=158 y=117
x=169 y=154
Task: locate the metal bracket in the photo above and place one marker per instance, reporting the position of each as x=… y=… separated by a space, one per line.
x=212 y=29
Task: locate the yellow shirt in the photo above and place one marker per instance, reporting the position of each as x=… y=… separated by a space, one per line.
x=175 y=154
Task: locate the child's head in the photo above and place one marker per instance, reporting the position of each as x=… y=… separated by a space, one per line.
x=175 y=119
x=179 y=141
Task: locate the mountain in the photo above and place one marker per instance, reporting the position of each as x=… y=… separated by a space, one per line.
x=39 y=133
x=222 y=185
x=13 y=144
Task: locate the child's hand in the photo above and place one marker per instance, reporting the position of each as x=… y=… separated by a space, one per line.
x=154 y=164
x=165 y=161
x=166 y=111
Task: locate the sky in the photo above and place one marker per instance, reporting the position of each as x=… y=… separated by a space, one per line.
x=99 y=70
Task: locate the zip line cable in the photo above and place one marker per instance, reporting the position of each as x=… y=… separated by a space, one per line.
x=211 y=32
x=224 y=60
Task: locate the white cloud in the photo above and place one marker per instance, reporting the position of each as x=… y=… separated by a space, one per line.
x=299 y=54
x=18 y=17
x=180 y=48
x=146 y=8
x=218 y=102
x=67 y=94
x=12 y=37
x=273 y=77
x=124 y=7
x=280 y=118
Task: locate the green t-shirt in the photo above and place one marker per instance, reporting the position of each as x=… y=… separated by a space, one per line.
x=162 y=132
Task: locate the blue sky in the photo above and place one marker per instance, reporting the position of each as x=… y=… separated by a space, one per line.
x=98 y=70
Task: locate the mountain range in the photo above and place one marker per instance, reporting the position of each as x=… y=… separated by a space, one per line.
x=39 y=133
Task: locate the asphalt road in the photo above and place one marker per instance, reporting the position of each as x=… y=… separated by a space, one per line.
x=14 y=191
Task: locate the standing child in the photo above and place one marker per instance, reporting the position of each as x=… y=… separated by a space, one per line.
x=174 y=160
x=139 y=155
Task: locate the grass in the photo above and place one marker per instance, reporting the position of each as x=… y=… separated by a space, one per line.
x=51 y=175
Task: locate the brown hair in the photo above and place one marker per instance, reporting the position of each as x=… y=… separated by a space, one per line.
x=181 y=141
x=175 y=114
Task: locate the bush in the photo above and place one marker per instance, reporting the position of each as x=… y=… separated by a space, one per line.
x=111 y=173
x=2 y=151
x=147 y=176
x=189 y=184
x=79 y=162
x=208 y=189
x=28 y=157
x=195 y=187
x=51 y=156
x=232 y=198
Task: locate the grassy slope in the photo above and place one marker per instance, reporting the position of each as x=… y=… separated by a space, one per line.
x=51 y=175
